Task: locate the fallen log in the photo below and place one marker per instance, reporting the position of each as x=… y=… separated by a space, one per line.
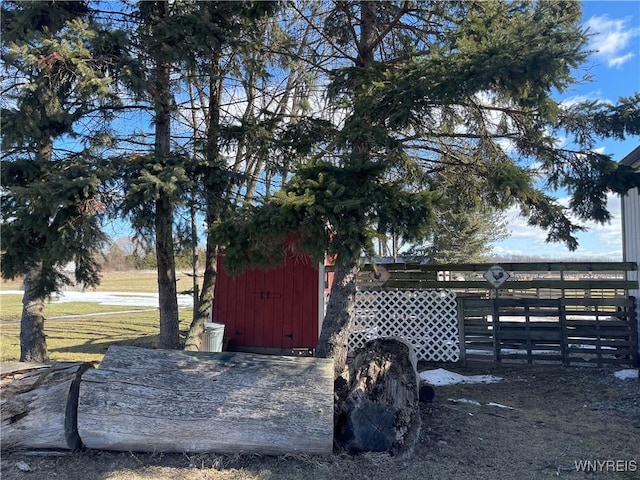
x=38 y=405
x=380 y=412
x=177 y=401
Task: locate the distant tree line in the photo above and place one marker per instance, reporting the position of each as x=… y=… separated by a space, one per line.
x=117 y=258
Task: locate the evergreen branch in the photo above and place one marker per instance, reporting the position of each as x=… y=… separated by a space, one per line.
x=391 y=25
x=320 y=32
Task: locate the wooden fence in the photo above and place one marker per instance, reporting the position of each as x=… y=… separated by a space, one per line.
x=553 y=312
x=568 y=331
x=526 y=280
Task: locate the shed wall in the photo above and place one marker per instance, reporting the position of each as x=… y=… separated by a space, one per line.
x=269 y=308
x=631 y=227
x=631 y=238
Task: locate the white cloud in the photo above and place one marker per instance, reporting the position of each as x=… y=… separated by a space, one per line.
x=599 y=242
x=616 y=62
x=611 y=38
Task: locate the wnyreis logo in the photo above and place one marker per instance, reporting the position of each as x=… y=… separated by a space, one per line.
x=606 y=465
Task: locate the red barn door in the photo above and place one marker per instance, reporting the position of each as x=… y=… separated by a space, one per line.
x=274 y=309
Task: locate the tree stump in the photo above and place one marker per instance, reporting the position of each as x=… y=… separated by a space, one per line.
x=39 y=405
x=380 y=412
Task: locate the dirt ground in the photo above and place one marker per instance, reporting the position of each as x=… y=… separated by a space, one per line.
x=558 y=416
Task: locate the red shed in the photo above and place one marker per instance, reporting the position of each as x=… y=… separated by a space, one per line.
x=277 y=310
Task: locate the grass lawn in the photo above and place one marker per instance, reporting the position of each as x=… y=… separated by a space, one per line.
x=85 y=338
x=129 y=281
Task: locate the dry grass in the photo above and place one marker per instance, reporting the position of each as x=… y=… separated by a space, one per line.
x=85 y=338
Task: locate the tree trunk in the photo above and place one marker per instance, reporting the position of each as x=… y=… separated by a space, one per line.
x=195 y=260
x=167 y=291
x=334 y=337
x=205 y=303
x=215 y=185
x=167 y=401
x=39 y=405
x=33 y=343
x=381 y=412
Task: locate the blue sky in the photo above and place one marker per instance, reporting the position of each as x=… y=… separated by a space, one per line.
x=615 y=67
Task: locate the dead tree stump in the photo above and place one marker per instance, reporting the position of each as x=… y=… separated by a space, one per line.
x=380 y=412
x=39 y=405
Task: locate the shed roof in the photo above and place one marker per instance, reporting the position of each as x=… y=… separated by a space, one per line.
x=632 y=159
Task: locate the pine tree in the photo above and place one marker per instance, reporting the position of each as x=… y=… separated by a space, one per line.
x=466 y=225
x=421 y=87
x=51 y=204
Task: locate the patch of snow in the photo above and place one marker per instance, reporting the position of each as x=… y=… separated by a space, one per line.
x=441 y=377
x=499 y=405
x=627 y=374
x=475 y=402
x=464 y=400
x=129 y=299
x=23 y=466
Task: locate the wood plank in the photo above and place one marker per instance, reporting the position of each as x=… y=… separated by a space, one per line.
x=512 y=284
x=603 y=342
x=532 y=335
x=477 y=332
x=550 y=358
x=509 y=266
x=176 y=401
x=461 y=332
x=598 y=332
x=551 y=325
x=605 y=323
x=615 y=301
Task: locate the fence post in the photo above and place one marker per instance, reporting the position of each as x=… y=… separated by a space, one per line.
x=496 y=329
x=564 y=333
x=634 y=322
x=463 y=345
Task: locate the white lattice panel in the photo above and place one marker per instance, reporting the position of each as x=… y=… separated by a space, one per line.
x=428 y=319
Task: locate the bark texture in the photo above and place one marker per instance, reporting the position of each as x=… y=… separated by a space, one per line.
x=33 y=344
x=175 y=401
x=334 y=337
x=167 y=290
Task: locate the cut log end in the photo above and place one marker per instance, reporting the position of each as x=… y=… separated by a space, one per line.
x=380 y=411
